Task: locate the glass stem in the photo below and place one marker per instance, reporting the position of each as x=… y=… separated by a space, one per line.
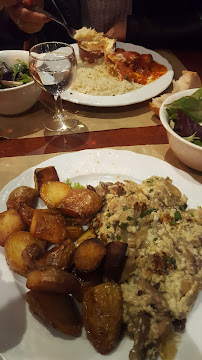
x=58 y=105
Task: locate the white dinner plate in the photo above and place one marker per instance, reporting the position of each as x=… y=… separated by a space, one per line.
x=22 y=335
x=144 y=93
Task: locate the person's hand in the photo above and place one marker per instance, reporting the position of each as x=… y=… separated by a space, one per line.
x=6 y=3
x=118 y=31
x=27 y=20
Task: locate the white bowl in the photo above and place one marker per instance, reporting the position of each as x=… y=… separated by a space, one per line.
x=190 y=154
x=19 y=99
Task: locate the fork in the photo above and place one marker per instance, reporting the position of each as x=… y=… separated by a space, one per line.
x=71 y=31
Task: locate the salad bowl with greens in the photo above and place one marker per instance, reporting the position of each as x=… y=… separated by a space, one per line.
x=18 y=91
x=16 y=75
x=181 y=116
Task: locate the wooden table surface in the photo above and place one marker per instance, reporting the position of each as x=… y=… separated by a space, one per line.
x=132 y=127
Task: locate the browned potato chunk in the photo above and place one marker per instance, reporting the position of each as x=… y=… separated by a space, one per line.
x=15 y=245
x=26 y=212
x=54 y=281
x=59 y=257
x=89 y=254
x=88 y=279
x=48 y=225
x=43 y=175
x=114 y=260
x=10 y=222
x=56 y=310
x=22 y=194
x=88 y=234
x=30 y=254
x=80 y=203
x=53 y=192
x=73 y=231
x=102 y=316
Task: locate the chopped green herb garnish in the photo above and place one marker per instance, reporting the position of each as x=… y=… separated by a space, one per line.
x=150 y=190
x=149 y=180
x=149 y=227
x=129 y=218
x=177 y=216
x=155 y=239
x=108 y=226
x=126 y=77
x=118 y=237
x=169 y=260
x=172 y=222
x=136 y=223
x=192 y=215
x=181 y=207
x=123 y=225
x=126 y=208
x=76 y=185
x=147 y=212
x=109 y=214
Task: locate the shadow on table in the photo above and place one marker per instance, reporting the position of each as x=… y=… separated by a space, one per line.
x=117 y=112
x=22 y=125
x=66 y=141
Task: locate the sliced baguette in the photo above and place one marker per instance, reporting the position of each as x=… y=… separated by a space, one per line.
x=188 y=80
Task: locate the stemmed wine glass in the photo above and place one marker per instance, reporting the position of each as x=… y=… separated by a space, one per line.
x=53 y=67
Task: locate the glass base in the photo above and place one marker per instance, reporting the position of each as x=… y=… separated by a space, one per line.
x=61 y=122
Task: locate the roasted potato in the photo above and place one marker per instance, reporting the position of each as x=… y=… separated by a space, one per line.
x=43 y=175
x=88 y=234
x=102 y=316
x=59 y=257
x=88 y=279
x=15 y=245
x=74 y=231
x=89 y=254
x=53 y=192
x=54 y=280
x=114 y=260
x=48 y=225
x=80 y=203
x=30 y=254
x=22 y=194
x=10 y=222
x=26 y=212
x=56 y=310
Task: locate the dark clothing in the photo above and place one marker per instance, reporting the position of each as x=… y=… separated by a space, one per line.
x=171 y=24
x=153 y=24
x=11 y=37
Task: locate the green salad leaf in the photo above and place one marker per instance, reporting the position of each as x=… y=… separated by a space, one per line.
x=20 y=68
x=189 y=105
x=74 y=186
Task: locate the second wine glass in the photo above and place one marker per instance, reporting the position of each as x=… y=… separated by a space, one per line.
x=53 y=67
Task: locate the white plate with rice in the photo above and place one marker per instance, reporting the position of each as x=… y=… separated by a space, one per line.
x=89 y=83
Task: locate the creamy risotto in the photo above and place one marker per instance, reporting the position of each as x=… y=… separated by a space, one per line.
x=163 y=271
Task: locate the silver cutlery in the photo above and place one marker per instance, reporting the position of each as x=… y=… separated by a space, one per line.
x=71 y=31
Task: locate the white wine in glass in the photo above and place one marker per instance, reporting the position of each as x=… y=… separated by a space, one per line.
x=53 y=67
